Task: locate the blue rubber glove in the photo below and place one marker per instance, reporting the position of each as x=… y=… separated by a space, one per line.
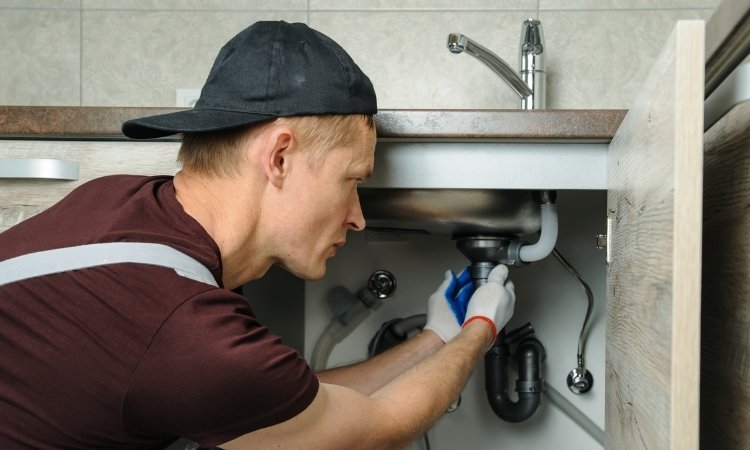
x=446 y=307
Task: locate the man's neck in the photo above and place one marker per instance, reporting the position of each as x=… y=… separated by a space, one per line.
x=214 y=202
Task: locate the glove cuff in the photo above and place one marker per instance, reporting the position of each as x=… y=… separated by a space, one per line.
x=486 y=319
x=440 y=333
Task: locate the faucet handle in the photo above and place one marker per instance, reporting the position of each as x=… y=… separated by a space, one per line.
x=532 y=45
x=531 y=58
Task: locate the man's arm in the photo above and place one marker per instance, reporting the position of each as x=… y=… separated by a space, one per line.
x=391 y=417
x=370 y=375
x=395 y=414
x=442 y=325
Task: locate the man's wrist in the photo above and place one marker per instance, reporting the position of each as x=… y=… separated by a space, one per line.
x=484 y=323
x=432 y=335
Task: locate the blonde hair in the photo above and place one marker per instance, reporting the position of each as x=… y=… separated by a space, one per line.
x=220 y=152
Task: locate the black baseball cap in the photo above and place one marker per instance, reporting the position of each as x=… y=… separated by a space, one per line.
x=271 y=69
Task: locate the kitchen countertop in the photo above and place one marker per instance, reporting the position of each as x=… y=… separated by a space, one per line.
x=454 y=125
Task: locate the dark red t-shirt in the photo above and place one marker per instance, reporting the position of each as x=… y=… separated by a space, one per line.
x=134 y=355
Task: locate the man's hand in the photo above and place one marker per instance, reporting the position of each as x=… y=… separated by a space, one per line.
x=446 y=307
x=494 y=301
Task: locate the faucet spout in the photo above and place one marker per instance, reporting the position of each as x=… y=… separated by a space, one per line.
x=458 y=43
x=530 y=83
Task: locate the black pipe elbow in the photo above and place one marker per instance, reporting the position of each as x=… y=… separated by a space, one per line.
x=530 y=353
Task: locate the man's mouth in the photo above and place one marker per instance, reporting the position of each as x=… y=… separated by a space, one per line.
x=337 y=245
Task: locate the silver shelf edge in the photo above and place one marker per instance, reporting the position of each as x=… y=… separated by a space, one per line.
x=38 y=168
x=734 y=90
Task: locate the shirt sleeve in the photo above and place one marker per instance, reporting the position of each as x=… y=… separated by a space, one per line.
x=213 y=373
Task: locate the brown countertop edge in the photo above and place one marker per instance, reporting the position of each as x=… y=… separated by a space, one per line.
x=557 y=125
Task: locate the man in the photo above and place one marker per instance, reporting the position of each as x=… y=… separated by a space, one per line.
x=135 y=353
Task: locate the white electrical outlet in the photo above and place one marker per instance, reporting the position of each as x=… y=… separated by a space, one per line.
x=186 y=98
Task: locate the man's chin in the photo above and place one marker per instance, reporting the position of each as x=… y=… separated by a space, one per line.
x=313 y=275
x=320 y=272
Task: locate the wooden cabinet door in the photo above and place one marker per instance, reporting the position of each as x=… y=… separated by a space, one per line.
x=24 y=198
x=654 y=275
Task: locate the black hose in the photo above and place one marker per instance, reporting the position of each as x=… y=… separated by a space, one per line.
x=392 y=333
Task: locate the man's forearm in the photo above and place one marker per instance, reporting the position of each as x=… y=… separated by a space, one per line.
x=368 y=376
x=393 y=416
x=426 y=390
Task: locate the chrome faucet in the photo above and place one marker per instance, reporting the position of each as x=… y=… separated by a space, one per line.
x=531 y=84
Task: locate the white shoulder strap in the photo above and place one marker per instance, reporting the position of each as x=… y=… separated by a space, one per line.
x=91 y=255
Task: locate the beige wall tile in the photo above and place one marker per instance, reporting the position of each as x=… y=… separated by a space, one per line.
x=141 y=58
x=39 y=57
x=597 y=58
x=202 y=5
x=600 y=59
x=626 y=4
x=36 y=4
x=405 y=55
x=487 y=5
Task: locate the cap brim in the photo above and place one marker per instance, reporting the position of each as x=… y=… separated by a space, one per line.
x=189 y=121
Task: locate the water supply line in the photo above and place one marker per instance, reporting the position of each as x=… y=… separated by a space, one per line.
x=349 y=310
x=579 y=380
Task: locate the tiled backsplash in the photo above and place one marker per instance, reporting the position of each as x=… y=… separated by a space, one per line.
x=139 y=52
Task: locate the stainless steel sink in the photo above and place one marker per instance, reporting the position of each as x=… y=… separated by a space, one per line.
x=456 y=212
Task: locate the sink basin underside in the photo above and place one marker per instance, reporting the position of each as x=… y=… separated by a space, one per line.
x=456 y=212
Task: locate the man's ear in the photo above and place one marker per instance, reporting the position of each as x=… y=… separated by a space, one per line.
x=274 y=154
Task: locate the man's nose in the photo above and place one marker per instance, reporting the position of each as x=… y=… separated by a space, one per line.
x=356 y=220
